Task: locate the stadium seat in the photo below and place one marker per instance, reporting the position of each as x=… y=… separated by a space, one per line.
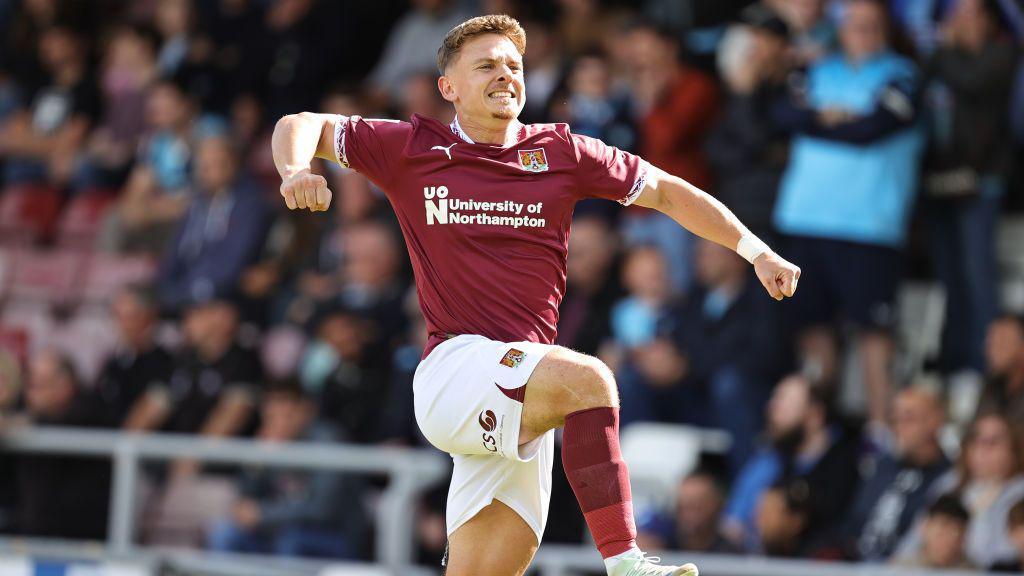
x=6 y=269
x=82 y=218
x=15 y=341
x=31 y=318
x=28 y=213
x=88 y=338
x=44 y=275
x=658 y=456
x=185 y=509
x=105 y=274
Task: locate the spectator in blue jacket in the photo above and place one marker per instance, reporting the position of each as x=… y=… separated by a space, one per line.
x=220 y=235
x=847 y=193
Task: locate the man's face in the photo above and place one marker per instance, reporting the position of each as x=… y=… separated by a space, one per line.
x=215 y=164
x=485 y=82
x=862 y=30
x=916 y=420
x=698 y=504
x=49 y=389
x=788 y=407
x=134 y=319
x=1004 y=346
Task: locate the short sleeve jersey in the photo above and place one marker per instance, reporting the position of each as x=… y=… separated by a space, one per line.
x=487 y=226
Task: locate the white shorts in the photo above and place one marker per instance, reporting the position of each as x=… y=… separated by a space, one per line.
x=468 y=395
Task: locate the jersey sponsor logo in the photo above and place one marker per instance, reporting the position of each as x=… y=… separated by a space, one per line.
x=513 y=358
x=440 y=209
x=533 y=160
x=488 y=421
x=446 y=149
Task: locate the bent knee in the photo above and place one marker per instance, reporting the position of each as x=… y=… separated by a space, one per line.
x=591 y=381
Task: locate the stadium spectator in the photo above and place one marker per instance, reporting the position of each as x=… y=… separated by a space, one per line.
x=213 y=387
x=359 y=265
x=716 y=350
x=132 y=385
x=965 y=174
x=593 y=287
x=346 y=375
x=649 y=369
x=60 y=496
x=293 y=513
x=846 y=196
x=412 y=45
x=1015 y=525
x=41 y=141
x=781 y=520
x=547 y=68
x=290 y=58
x=814 y=34
x=942 y=540
x=811 y=455
x=10 y=399
x=129 y=68
x=695 y=524
x=157 y=191
x=221 y=233
x=675 y=106
x=1004 y=350
x=592 y=107
x=988 y=480
x=893 y=494
x=747 y=150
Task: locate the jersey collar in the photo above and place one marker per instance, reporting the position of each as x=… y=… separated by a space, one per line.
x=457 y=130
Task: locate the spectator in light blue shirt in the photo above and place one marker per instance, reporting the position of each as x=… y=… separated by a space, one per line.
x=847 y=193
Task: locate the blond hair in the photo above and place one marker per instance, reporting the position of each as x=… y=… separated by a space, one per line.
x=457 y=37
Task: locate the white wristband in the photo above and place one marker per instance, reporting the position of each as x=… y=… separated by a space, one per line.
x=750 y=247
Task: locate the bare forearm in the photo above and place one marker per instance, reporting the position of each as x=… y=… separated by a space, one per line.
x=693 y=209
x=298 y=138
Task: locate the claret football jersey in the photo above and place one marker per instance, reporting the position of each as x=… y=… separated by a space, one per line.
x=487 y=226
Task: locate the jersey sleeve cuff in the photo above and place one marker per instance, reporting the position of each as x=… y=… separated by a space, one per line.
x=638 y=184
x=340 y=123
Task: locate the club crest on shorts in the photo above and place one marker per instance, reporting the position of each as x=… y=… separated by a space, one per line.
x=513 y=358
x=533 y=160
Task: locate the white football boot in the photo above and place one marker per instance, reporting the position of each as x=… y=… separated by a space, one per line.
x=636 y=563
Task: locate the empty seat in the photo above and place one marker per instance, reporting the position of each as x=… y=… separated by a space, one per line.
x=105 y=274
x=659 y=456
x=28 y=213
x=45 y=275
x=82 y=218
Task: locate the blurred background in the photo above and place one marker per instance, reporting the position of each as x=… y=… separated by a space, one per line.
x=166 y=325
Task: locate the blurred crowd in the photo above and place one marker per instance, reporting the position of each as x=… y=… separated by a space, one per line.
x=152 y=280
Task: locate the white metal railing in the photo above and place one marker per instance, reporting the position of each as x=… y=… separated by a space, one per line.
x=410 y=472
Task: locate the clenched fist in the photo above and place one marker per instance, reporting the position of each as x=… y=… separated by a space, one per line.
x=306 y=190
x=778 y=276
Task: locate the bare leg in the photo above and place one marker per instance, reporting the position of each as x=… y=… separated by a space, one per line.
x=562 y=383
x=495 y=542
x=876 y=350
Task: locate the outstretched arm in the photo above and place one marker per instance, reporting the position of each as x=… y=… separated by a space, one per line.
x=297 y=139
x=708 y=218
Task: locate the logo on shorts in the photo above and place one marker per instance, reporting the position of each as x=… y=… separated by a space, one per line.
x=533 y=160
x=488 y=421
x=513 y=358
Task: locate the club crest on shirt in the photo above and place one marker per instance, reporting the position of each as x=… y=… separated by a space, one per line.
x=533 y=160
x=513 y=358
